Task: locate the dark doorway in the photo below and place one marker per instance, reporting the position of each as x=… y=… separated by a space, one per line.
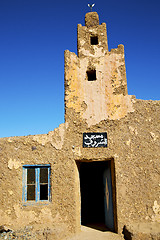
x=96 y=195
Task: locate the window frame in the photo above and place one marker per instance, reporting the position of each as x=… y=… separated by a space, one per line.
x=37 y=184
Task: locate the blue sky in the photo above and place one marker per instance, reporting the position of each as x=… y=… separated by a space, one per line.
x=33 y=37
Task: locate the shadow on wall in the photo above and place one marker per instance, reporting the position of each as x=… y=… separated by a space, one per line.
x=127 y=235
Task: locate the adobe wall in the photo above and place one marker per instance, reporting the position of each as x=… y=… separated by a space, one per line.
x=133 y=143
x=58 y=215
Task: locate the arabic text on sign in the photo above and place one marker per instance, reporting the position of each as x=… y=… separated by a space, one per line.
x=94 y=140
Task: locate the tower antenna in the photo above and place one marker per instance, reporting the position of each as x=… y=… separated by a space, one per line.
x=91 y=6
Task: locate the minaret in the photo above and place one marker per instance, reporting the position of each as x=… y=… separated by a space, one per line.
x=92 y=38
x=95 y=80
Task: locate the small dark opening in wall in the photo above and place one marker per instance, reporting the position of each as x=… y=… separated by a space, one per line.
x=91 y=74
x=94 y=40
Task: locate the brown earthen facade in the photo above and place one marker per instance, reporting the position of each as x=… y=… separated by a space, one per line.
x=122 y=178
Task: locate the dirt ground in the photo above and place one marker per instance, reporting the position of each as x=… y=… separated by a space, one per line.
x=92 y=234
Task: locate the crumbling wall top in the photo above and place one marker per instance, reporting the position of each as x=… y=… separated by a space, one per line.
x=91 y=19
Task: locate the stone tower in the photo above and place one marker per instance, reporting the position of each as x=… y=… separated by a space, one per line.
x=95 y=80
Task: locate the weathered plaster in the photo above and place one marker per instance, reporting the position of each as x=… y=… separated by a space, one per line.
x=156 y=210
x=56 y=137
x=13 y=163
x=102 y=98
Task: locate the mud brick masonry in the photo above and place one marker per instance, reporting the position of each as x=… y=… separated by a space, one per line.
x=100 y=167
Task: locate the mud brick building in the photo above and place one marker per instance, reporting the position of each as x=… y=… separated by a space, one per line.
x=100 y=167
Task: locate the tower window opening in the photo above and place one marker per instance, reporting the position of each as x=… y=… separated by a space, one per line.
x=94 y=40
x=91 y=74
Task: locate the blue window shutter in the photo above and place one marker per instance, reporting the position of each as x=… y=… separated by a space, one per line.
x=49 y=185
x=24 y=185
x=37 y=183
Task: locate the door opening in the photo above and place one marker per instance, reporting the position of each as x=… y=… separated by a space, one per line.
x=97 y=195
